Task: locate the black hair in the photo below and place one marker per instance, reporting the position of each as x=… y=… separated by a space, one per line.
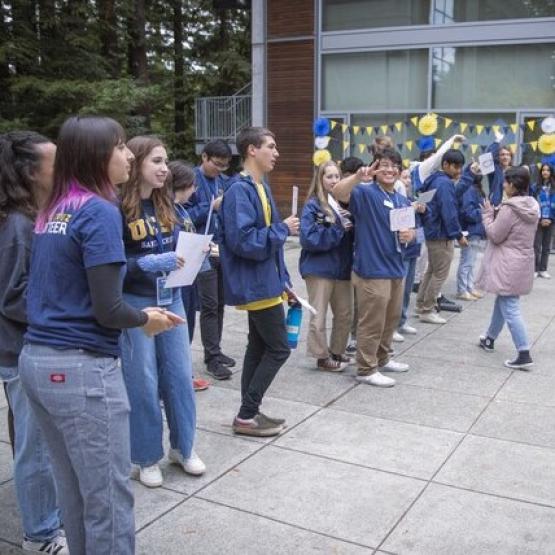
x=454 y=157
x=551 y=175
x=251 y=136
x=181 y=176
x=19 y=159
x=217 y=149
x=389 y=154
x=425 y=154
x=477 y=181
x=351 y=165
x=519 y=178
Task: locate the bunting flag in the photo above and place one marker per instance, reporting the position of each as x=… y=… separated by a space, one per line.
x=473 y=148
x=344 y=127
x=399 y=125
x=534 y=145
x=437 y=142
x=345 y=145
x=414 y=121
x=383 y=129
x=369 y=130
x=463 y=126
x=496 y=128
x=448 y=122
x=514 y=127
x=356 y=129
x=361 y=148
x=531 y=124
x=479 y=129
x=408 y=144
x=406 y=162
x=333 y=124
x=512 y=147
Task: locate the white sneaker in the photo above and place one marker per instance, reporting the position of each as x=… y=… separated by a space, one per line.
x=193 y=465
x=544 y=275
x=536 y=274
x=57 y=546
x=397 y=337
x=377 y=379
x=151 y=476
x=408 y=330
x=432 y=318
x=394 y=366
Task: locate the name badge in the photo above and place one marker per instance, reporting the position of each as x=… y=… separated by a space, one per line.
x=164 y=295
x=388 y=203
x=420 y=237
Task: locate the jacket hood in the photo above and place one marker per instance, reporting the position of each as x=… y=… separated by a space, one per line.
x=431 y=181
x=526 y=208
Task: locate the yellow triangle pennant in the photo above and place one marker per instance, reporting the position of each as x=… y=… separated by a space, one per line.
x=496 y=128
x=479 y=129
x=383 y=129
x=513 y=148
x=514 y=127
x=534 y=144
x=361 y=148
x=399 y=125
x=448 y=122
x=531 y=124
x=356 y=129
x=406 y=162
x=345 y=145
x=409 y=145
x=369 y=130
x=333 y=124
x=437 y=142
x=473 y=148
x=463 y=126
x=414 y=121
x=344 y=127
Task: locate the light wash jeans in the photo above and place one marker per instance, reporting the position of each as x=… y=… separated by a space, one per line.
x=34 y=481
x=81 y=405
x=467 y=263
x=410 y=272
x=507 y=309
x=155 y=367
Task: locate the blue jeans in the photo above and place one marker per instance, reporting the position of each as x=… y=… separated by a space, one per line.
x=467 y=262
x=34 y=481
x=410 y=272
x=81 y=405
x=155 y=367
x=507 y=309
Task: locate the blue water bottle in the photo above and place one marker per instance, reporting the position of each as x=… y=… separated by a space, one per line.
x=293 y=323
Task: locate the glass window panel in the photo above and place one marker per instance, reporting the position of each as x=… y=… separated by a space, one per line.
x=339 y=15
x=485 y=77
x=455 y=11
x=369 y=81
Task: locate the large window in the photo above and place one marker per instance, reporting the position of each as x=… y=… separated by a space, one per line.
x=490 y=77
x=373 y=81
x=339 y=15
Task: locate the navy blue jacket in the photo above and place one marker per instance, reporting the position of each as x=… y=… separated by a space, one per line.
x=546 y=200
x=471 y=213
x=414 y=249
x=465 y=182
x=441 y=219
x=327 y=249
x=251 y=253
x=496 y=178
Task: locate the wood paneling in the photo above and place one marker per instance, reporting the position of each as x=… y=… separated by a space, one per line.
x=290 y=18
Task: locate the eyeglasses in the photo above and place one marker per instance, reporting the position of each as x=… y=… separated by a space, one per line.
x=388 y=167
x=222 y=166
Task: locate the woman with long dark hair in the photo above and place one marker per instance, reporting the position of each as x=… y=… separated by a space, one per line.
x=70 y=364
x=26 y=165
x=544 y=192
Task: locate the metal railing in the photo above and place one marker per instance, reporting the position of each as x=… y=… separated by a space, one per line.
x=222 y=117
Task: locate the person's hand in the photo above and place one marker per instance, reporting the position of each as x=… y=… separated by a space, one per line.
x=180 y=261
x=488 y=205
x=498 y=136
x=160 y=320
x=293 y=224
x=463 y=241
x=217 y=202
x=406 y=235
x=459 y=138
x=419 y=207
x=475 y=168
x=367 y=173
x=545 y=222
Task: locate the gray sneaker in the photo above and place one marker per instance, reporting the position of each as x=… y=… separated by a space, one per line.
x=259 y=426
x=277 y=421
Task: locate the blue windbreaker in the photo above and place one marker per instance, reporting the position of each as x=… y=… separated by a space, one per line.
x=471 y=213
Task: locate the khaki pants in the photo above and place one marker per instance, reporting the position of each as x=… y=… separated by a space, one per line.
x=379 y=303
x=440 y=255
x=338 y=295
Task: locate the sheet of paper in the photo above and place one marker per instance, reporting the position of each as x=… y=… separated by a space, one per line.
x=402 y=218
x=486 y=163
x=193 y=248
x=295 y=201
x=426 y=197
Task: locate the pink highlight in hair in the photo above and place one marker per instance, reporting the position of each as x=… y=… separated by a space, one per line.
x=75 y=197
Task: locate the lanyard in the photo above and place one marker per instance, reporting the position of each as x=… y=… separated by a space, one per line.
x=391 y=199
x=212 y=187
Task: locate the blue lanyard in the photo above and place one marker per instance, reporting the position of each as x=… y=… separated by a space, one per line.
x=213 y=188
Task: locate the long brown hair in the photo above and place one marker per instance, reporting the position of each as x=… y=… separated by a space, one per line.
x=317 y=187
x=141 y=147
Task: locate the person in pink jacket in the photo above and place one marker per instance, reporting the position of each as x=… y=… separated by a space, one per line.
x=508 y=267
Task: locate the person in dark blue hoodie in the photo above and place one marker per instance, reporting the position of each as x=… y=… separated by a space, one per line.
x=441 y=227
x=544 y=192
x=325 y=265
x=502 y=159
x=251 y=239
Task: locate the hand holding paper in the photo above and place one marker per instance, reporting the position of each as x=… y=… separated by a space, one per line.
x=402 y=219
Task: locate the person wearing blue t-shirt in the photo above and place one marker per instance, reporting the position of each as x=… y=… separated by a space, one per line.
x=378 y=268
x=161 y=366
x=70 y=365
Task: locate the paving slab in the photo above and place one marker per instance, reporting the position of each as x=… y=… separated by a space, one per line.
x=419 y=405
x=10 y=520
x=7 y=549
x=448 y=520
x=198 y=526
x=6 y=462
x=151 y=503
x=345 y=501
x=530 y=387
x=521 y=422
x=3 y=400
x=407 y=449
x=4 y=435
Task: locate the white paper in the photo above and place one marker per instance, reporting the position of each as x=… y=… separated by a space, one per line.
x=426 y=196
x=345 y=222
x=402 y=218
x=295 y=201
x=486 y=163
x=193 y=248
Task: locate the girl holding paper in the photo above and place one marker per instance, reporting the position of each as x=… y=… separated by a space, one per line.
x=161 y=366
x=325 y=265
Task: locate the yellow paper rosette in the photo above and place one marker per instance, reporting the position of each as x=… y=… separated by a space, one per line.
x=321 y=156
x=546 y=144
x=427 y=125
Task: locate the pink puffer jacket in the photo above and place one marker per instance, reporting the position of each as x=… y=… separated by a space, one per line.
x=508 y=264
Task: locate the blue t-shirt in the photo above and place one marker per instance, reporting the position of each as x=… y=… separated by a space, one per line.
x=59 y=307
x=378 y=253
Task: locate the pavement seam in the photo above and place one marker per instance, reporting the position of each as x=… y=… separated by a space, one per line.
x=517 y=442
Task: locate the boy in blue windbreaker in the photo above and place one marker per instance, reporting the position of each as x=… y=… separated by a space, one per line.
x=544 y=192
x=502 y=159
x=325 y=265
x=441 y=227
x=252 y=236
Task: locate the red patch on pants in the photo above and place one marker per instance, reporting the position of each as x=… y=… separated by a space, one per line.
x=57 y=378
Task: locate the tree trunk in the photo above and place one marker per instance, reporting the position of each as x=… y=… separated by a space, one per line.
x=137 y=45
x=179 y=67
x=108 y=35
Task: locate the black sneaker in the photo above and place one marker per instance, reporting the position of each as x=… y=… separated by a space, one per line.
x=218 y=371
x=226 y=361
x=415 y=287
x=522 y=362
x=448 y=305
x=352 y=347
x=342 y=358
x=486 y=343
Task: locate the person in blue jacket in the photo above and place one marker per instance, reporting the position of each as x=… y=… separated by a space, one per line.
x=378 y=268
x=502 y=160
x=470 y=214
x=544 y=191
x=441 y=227
x=325 y=265
x=252 y=236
